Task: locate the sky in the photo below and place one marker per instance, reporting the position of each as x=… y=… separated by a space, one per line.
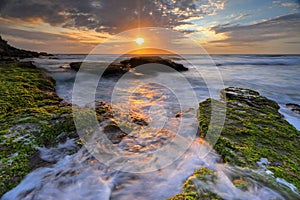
x=219 y=26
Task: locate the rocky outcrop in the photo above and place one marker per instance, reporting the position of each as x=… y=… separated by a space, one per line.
x=126 y=65
x=254 y=130
x=9 y=53
x=293 y=107
x=31 y=115
x=74 y=65
x=137 y=61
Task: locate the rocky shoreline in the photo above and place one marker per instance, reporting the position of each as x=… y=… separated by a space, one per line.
x=254 y=130
x=9 y=53
x=32 y=116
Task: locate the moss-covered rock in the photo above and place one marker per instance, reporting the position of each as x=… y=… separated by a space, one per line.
x=192 y=192
x=255 y=129
x=31 y=115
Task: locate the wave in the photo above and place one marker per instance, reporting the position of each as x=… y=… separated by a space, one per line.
x=258 y=63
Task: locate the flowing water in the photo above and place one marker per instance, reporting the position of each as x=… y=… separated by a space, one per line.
x=82 y=176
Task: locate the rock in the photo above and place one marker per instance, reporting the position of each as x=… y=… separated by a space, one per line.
x=35 y=161
x=191 y=189
x=254 y=129
x=254 y=136
x=293 y=107
x=45 y=54
x=126 y=65
x=178 y=115
x=114 y=133
x=249 y=97
x=136 y=61
x=31 y=116
x=75 y=65
x=9 y=53
x=65 y=66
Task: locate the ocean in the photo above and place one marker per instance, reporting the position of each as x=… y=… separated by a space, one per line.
x=276 y=77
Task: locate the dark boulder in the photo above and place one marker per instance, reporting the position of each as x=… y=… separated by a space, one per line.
x=293 y=107
x=136 y=61
x=75 y=65
x=124 y=66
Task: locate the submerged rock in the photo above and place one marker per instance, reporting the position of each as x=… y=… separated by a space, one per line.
x=113 y=132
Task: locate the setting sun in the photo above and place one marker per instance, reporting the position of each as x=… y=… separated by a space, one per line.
x=139 y=40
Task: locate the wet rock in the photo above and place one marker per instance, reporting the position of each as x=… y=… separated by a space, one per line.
x=114 y=133
x=75 y=65
x=31 y=115
x=185 y=113
x=250 y=97
x=65 y=66
x=36 y=161
x=191 y=189
x=139 y=119
x=254 y=129
x=179 y=114
x=254 y=137
x=126 y=65
x=293 y=107
x=136 y=61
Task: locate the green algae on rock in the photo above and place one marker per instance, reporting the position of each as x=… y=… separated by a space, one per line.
x=253 y=129
x=192 y=192
x=231 y=182
x=31 y=115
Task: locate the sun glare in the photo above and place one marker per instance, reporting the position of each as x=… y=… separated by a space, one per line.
x=139 y=41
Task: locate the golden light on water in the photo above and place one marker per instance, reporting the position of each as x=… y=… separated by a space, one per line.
x=139 y=40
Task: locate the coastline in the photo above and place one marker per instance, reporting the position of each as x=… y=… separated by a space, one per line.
x=32 y=115
x=40 y=118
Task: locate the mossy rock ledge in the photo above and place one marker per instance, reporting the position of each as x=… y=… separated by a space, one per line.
x=253 y=129
x=31 y=116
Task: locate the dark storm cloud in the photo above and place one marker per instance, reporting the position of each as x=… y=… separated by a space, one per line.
x=109 y=15
x=287 y=26
x=32 y=9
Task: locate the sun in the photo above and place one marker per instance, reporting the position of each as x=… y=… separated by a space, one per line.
x=139 y=40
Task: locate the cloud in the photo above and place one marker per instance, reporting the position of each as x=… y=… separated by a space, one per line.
x=283 y=27
x=241 y=16
x=111 y=16
x=31 y=35
x=294 y=3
